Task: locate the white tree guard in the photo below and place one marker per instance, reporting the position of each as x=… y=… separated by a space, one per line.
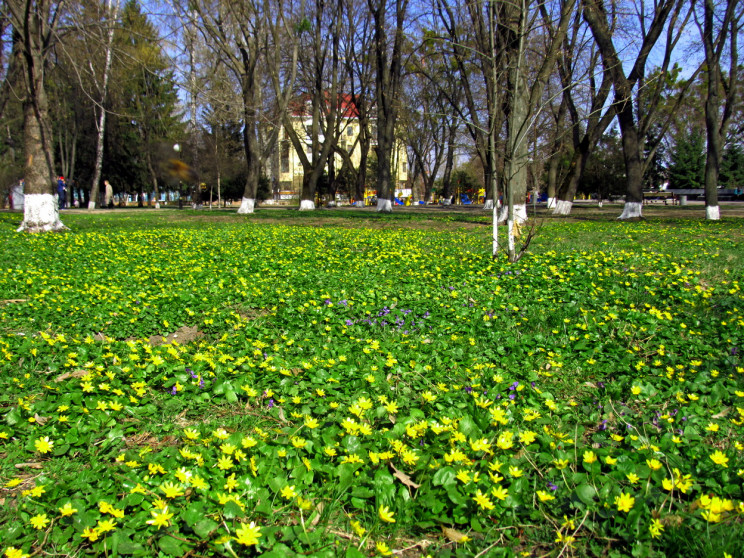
x=307 y=205
x=246 y=206
x=713 y=212
x=40 y=214
x=384 y=206
x=520 y=213
x=562 y=207
x=632 y=210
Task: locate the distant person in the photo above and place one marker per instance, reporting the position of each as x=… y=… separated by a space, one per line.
x=108 y=194
x=62 y=192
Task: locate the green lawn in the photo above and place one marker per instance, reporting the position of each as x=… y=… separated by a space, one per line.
x=339 y=383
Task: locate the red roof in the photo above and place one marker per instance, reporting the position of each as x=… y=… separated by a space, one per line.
x=347 y=106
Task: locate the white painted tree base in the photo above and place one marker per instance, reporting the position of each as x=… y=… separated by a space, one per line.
x=384 y=206
x=91 y=204
x=157 y=205
x=551 y=203
x=40 y=214
x=600 y=204
x=488 y=206
x=562 y=207
x=247 y=206
x=520 y=213
x=307 y=205
x=632 y=210
x=712 y=212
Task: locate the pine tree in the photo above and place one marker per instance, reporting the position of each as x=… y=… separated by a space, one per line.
x=732 y=167
x=687 y=168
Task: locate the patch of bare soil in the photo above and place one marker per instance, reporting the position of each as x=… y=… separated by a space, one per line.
x=182 y=336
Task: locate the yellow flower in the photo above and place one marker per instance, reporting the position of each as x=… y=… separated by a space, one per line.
x=463 y=475
x=311 y=422
x=515 y=472
x=90 y=534
x=160 y=518
x=633 y=478
x=248 y=534
x=220 y=434
x=39 y=521
x=589 y=457
x=483 y=501
x=654 y=464
x=383 y=549
x=624 y=502
x=499 y=492
x=44 y=445
x=655 y=528
x=610 y=460
x=560 y=463
x=13 y=552
x=385 y=514
x=105 y=526
x=171 y=490
x=719 y=458
x=545 y=496
x=225 y=462
x=288 y=492
x=67 y=509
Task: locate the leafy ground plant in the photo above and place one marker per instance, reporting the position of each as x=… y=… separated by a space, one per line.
x=187 y=386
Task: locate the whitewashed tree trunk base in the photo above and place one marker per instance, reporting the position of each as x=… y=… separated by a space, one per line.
x=562 y=207
x=247 y=206
x=551 y=203
x=307 y=205
x=520 y=213
x=384 y=206
x=91 y=204
x=632 y=210
x=712 y=212
x=488 y=206
x=157 y=205
x=40 y=214
x=600 y=203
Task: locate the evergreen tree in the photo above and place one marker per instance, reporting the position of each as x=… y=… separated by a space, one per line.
x=687 y=168
x=144 y=101
x=732 y=167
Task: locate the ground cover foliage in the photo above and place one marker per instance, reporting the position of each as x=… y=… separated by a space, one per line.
x=187 y=387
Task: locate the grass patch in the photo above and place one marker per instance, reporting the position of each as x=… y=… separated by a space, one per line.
x=325 y=373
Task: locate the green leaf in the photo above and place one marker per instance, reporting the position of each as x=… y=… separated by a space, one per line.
x=444 y=477
x=171 y=546
x=205 y=527
x=585 y=493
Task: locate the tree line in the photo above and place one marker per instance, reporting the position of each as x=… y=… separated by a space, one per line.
x=533 y=95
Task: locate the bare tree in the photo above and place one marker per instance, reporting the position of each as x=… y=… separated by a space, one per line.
x=719 y=33
x=664 y=12
x=101 y=83
x=389 y=65
x=35 y=22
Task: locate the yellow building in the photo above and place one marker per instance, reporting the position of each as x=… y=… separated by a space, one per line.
x=289 y=167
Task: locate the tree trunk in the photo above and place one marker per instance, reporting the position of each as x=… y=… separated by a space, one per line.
x=632 y=158
x=714 y=148
x=250 y=140
x=41 y=208
x=101 y=124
